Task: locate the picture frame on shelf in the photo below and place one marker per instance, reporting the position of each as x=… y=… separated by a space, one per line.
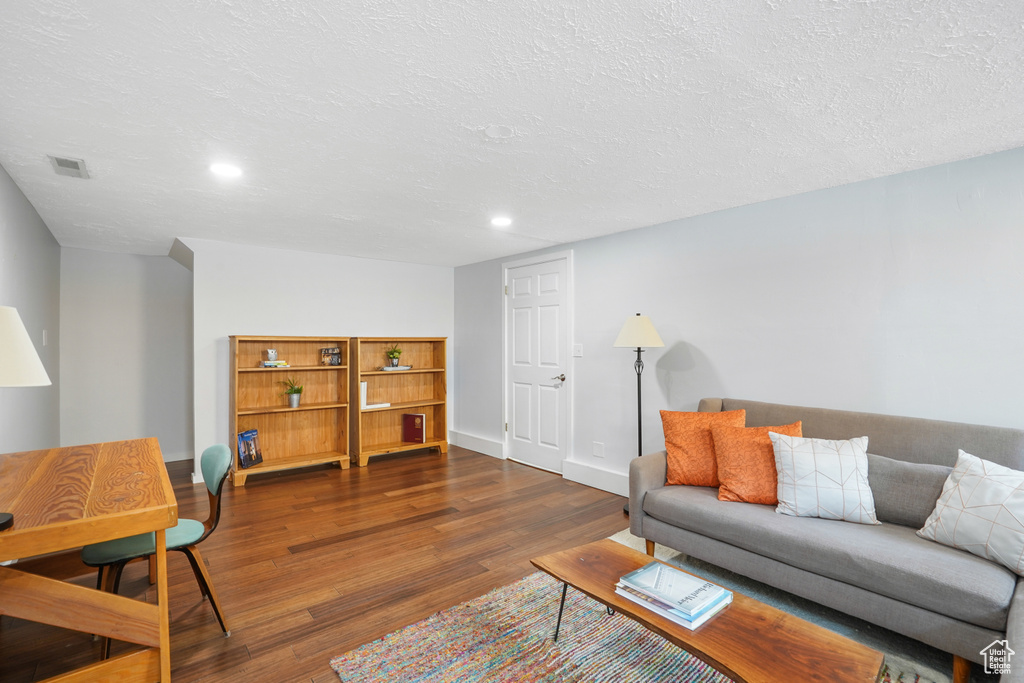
x=330 y=356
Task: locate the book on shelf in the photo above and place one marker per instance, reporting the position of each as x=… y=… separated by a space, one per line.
x=390 y=368
x=413 y=427
x=330 y=356
x=249 y=452
x=679 y=590
x=274 y=364
x=362 y=399
x=686 y=621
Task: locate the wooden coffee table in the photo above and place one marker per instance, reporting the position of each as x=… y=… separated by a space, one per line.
x=748 y=641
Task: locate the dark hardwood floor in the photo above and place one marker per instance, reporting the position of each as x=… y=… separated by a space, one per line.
x=312 y=563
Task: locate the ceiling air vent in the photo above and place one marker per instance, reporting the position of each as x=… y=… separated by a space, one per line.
x=70 y=167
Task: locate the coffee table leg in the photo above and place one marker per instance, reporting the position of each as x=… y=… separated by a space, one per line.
x=561 y=606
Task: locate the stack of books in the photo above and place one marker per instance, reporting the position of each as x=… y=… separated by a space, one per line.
x=684 y=598
x=274 y=364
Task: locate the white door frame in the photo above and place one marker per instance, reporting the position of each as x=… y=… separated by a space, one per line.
x=569 y=336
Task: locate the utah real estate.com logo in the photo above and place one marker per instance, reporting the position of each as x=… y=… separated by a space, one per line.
x=997 y=657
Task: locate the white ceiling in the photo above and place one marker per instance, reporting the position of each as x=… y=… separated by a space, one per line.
x=395 y=129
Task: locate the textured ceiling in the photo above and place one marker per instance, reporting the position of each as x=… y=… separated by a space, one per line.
x=396 y=129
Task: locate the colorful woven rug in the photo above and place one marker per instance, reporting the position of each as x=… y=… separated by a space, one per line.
x=506 y=635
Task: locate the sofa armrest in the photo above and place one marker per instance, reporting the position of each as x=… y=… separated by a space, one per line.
x=1015 y=635
x=645 y=473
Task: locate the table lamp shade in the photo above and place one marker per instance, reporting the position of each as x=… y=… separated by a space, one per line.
x=19 y=363
x=638 y=332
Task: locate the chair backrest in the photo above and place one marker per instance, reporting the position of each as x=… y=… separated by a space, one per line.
x=215 y=464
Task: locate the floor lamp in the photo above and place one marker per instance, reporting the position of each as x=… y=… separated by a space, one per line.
x=19 y=365
x=638 y=332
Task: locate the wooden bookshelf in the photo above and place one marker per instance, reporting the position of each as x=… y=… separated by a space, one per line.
x=314 y=433
x=423 y=389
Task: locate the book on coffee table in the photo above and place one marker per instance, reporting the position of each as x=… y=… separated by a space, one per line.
x=687 y=621
x=680 y=591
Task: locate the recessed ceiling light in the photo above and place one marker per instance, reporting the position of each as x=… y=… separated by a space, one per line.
x=226 y=170
x=501 y=221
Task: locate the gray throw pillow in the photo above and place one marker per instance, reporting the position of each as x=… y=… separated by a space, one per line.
x=904 y=492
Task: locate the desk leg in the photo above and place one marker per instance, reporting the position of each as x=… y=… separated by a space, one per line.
x=162 y=599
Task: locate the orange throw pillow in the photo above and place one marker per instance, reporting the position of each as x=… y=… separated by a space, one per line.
x=690 y=447
x=746 y=462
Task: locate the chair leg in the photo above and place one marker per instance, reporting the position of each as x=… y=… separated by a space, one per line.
x=110 y=581
x=117 y=570
x=101 y=572
x=205 y=584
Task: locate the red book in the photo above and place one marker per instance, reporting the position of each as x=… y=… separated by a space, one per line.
x=413 y=427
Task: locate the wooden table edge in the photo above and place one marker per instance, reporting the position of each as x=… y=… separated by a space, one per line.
x=666 y=628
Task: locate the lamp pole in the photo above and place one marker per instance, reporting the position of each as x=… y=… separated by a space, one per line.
x=639 y=367
x=637 y=333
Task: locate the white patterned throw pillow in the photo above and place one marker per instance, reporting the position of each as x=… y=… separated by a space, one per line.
x=824 y=478
x=981 y=510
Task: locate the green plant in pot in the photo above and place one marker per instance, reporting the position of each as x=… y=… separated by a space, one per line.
x=393 y=353
x=293 y=390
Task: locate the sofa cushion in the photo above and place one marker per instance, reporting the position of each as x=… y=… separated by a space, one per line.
x=824 y=478
x=691 y=451
x=746 y=462
x=904 y=492
x=981 y=510
x=887 y=559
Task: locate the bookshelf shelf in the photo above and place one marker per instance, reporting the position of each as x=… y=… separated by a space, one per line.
x=404 y=406
x=422 y=390
x=402 y=372
x=286 y=409
x=314 y=433
x=304 y=368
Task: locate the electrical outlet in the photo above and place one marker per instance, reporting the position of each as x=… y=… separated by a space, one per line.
x=577 y=350
x=598 y=449
x=45 y=340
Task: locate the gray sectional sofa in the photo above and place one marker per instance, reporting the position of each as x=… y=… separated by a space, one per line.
x=884 y=574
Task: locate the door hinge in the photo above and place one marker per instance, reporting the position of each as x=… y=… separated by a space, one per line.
x=506 y=290
x=506 y=426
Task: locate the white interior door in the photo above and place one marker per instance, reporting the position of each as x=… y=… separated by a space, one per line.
x=537 y=329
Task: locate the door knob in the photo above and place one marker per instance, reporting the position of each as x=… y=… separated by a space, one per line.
x=560 y=378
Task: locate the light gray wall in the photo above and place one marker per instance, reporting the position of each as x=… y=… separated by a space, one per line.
x=245 y=290
x=29 y=276
x=126 y=350
x=899 y=295
x=477 y=372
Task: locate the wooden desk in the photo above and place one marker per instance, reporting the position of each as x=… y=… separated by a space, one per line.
x=65 y=498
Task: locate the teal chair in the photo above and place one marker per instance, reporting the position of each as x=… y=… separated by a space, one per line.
x=111 y=556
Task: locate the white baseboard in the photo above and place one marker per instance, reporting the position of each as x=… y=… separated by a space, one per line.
x=606 y=480
x=495 y=449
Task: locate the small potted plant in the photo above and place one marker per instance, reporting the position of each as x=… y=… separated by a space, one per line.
x=393 y=353
x=293 y=391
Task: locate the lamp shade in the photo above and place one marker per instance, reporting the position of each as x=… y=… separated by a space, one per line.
x=19 y=363
x=638 y=332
